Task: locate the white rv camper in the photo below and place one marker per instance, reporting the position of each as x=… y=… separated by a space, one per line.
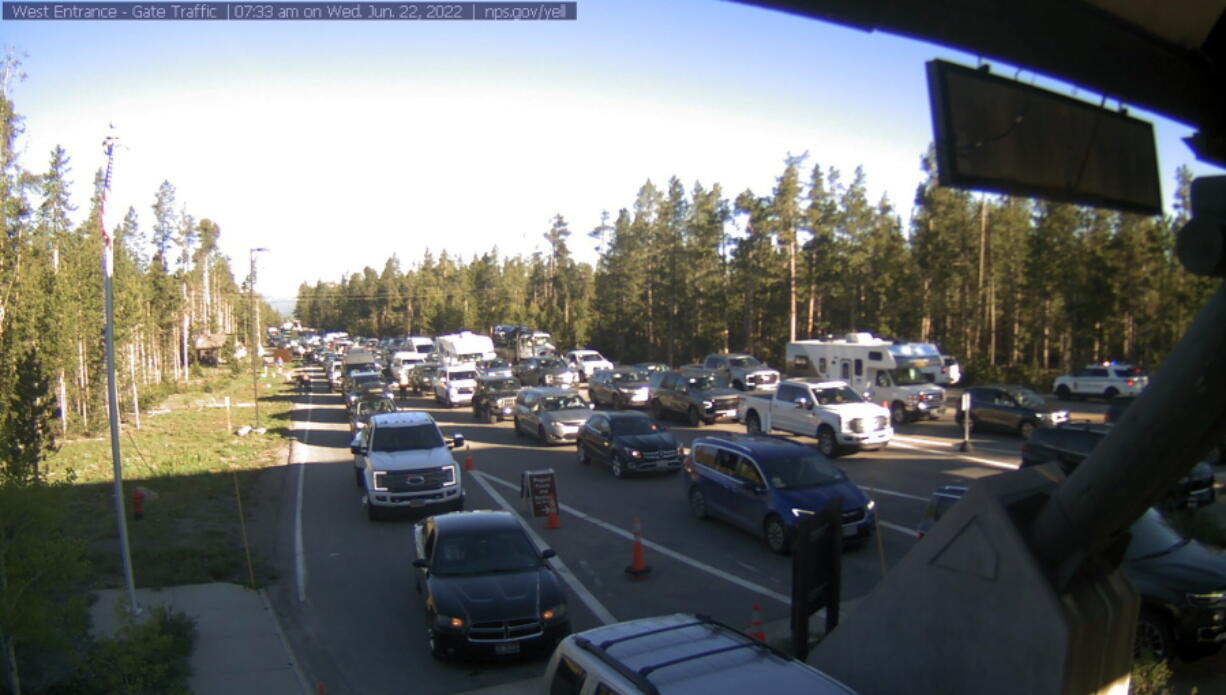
x=464 y=347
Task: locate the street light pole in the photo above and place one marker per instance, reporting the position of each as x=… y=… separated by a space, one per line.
x=255 y=337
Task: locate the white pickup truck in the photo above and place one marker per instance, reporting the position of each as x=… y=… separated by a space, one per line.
x=840 y=419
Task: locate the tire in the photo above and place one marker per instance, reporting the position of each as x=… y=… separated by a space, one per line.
x=515 y=424
x=776 y=535
x=1111 y=393
x=616 y=467
x=698 y=503
x=826 y=442
x=1026 y=429
x=753 y=424
x=360 y=477
x=581 y=455
x=435 y=650
x=898 y=414
x=540 y=434
x=736 y=384
x=1063 y=393
x=490 y=417
x=694 y=419
x=1154 y=636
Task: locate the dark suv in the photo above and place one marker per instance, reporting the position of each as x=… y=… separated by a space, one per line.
x=1182 y=584
x=765 y=484
x=1009 y=408
x=494 y=398
x=698 y=395
x=628 y=442
x=1069 y=444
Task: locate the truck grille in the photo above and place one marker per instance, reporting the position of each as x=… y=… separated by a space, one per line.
x=413 y=481
x=726 y=403
x=504 y=630
x=506 y=402
x=932 y=397
x=761 y=378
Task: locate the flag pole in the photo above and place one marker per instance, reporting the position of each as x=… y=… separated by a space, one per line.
x=112 y=399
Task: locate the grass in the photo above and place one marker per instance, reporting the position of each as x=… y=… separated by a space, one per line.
x=190 y=462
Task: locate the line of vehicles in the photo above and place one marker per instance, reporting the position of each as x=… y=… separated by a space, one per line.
x=848 y=393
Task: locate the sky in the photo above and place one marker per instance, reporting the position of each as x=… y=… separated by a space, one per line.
x=338 y=144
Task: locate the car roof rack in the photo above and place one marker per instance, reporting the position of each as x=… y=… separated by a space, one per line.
x=640 y=676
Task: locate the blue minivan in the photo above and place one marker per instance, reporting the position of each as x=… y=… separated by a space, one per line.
x=764 y=484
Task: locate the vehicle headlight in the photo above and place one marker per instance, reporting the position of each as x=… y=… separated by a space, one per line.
x=857 y=425
x=798 y=512
x=557 y=427
x=635 y=454
x=707 y=405
x=871 y=505
x=449 y=621
x=361 y=425
x=680 y=451
x=550 y=378
x=380 y=480
x=449 y=475
x=913 y=398
x=1211 y=598
x=554 y=612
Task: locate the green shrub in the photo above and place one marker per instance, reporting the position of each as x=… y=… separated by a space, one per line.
x=144 y=657
x=1150 y=677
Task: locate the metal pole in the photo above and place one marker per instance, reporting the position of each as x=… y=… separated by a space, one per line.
x=256 y=360
x=112 y=397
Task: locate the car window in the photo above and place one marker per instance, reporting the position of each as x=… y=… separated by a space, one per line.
x=484 y=553
x=746 y=361
x=788 y=393
x=801 y=470
x=568 y=679
x=834 y=395
x=563 y=402
x=591 y=357
x=602 y=689
x=746 y=471
x=704 y=455
x=406 y=438
x=634 y=426
x=600 y=424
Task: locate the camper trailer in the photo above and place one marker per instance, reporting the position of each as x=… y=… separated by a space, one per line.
x=885 y=372
x=464 y=347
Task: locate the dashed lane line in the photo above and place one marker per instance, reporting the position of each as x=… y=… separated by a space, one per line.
x=892 y=493
x=973 y=459
x=593 y=604
x=895 y=527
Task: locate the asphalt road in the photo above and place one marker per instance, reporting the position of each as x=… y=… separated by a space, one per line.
x=348 y=595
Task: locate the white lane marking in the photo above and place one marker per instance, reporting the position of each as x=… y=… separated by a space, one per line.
x=973 y=459
x=569 y=577
x=895 y=527
x=299 y=546
x=663 y=550
x=894 y=494
x=951 y=444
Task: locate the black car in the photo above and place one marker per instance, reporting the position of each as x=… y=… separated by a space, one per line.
x=1069 y=444
x=494 y=398
x=423 y=377
x=622 y=387
x=487 y=591
x=1182 y=583
x=629 y=443
x=697 y=394
x=1009 y=408
x=546 y=371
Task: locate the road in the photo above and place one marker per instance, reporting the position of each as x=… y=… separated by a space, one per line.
x=348 y=597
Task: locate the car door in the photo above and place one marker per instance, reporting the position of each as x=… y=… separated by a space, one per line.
x=601 y=439
x=524 y=411
x=784 y=413
x=598 y=388
x=714 y=468
x=748 y=495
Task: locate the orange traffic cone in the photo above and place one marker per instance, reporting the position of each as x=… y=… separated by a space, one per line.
x=637 y=569
x=755 y=624
x=554 y=522
x=468 y=458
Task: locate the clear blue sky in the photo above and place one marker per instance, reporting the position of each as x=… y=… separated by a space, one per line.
x=337 y=144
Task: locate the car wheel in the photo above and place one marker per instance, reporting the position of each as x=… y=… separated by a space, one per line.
x=1154 y=636
x=695 y=419
x=618 y=403
x=698 y=503
x=776 y=535
x=518 y=432
x=490 y=417
x=826 y=442
x=540 y=434
x=898 y=414
x=359 y=477
x=736 y=384
x=435 y=650
x=1026 y=429
x=1063 y=393
x=581 y=454
x=753 y=425
x=1110 y=393
x=617 y=468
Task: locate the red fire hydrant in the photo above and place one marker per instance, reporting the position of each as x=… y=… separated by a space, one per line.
x=138 y=504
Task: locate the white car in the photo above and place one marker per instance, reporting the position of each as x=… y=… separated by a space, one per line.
x=586 y=362
x=402 y=461
x=455 y=384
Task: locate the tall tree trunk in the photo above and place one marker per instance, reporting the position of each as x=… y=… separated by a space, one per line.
x=84 y=383
x=792 y=288
x=61 y=390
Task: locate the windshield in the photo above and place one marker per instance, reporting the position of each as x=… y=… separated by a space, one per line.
x=591 y=357
x=383 y=405
x=705 y=382
x=562 y=402
x=1028 y=398
x=909 y=376
x=503 y=385
x=457 y=376
x=1152 y=536
x=634 y=426
x=835 y=395
x=551 y=363
x=801 y=471
x=493 y=364
x=427 y=371
x=470 y=356
x=406 y=438
x=627 y=375
x=744 y=362
x=540 y=340
x=362 y=379
x=484 y=553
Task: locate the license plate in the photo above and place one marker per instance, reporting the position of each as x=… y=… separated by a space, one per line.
x=508 y=648
x=417 y=503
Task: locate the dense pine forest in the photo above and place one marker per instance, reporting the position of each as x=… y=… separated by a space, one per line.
x=1015 y=288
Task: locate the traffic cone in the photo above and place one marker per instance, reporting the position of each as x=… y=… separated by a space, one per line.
x=468 y=458
x=637 y=569
x=554 y=522
x=755 y=624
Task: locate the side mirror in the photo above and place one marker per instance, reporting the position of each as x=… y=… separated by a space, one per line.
x=591 y=406
x=548 y=553
x=420 y=563
x=357 y=449
x=457 y=440
x=803 y=403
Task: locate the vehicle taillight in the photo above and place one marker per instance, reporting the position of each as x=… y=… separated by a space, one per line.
x=1130 y=382
x=919 y=534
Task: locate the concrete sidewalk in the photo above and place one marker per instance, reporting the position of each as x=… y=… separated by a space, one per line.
x=240 y=647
